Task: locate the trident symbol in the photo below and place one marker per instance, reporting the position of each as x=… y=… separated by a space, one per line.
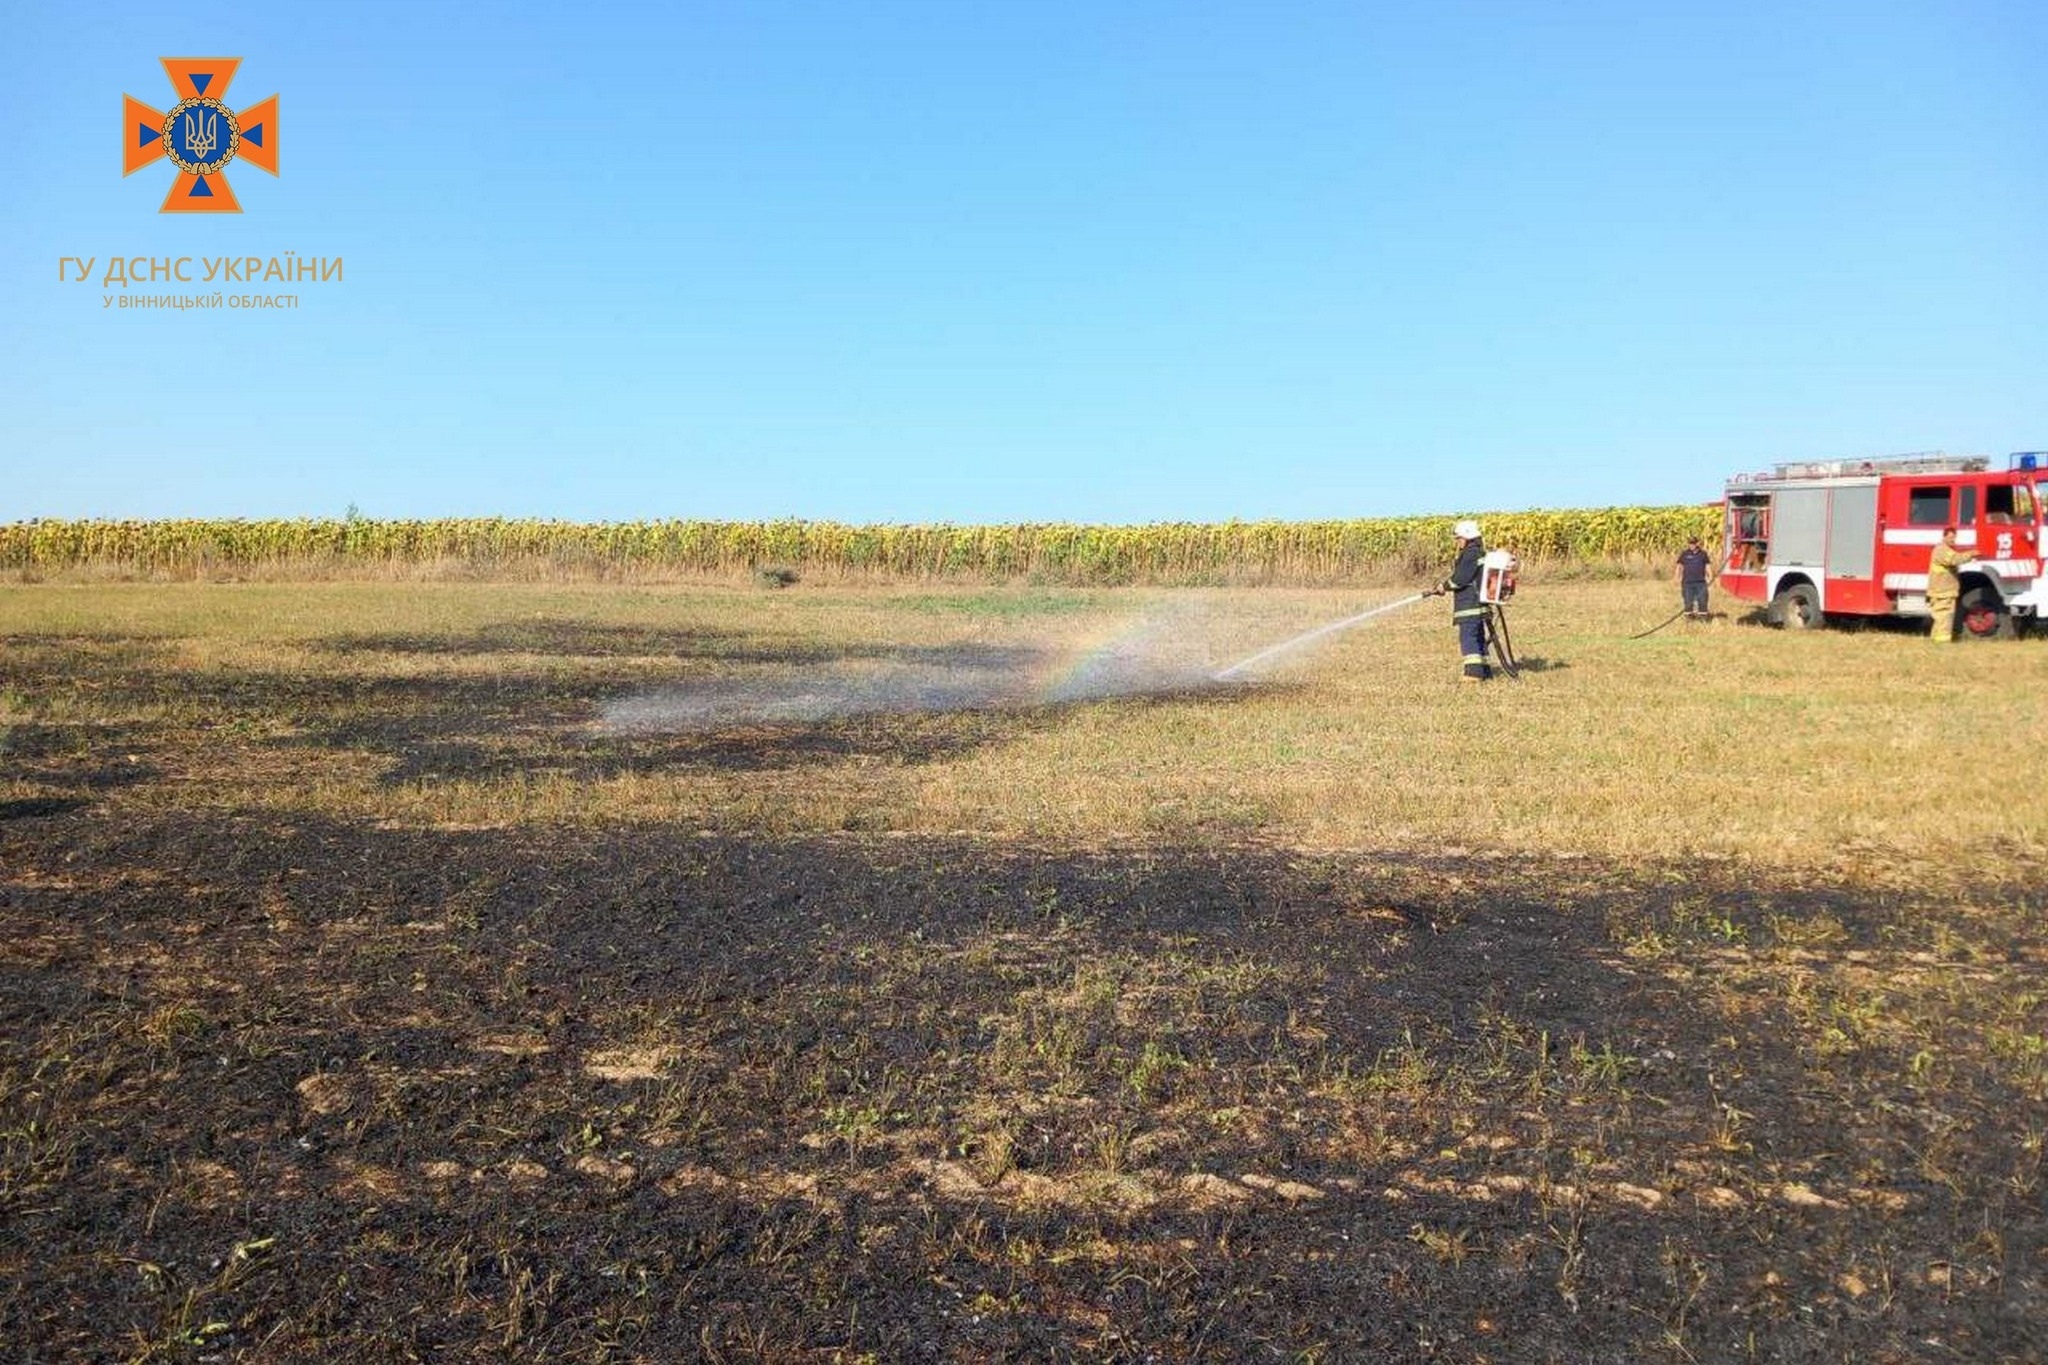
x=201 y=130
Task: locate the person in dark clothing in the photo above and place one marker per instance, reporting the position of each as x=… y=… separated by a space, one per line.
x=1468 y=613
x=1692 y=579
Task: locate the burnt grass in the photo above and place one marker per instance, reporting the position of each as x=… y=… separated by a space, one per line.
x=297 y=1087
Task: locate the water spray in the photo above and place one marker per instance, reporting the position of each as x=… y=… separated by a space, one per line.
x=1285 y=646
x=1140 y=662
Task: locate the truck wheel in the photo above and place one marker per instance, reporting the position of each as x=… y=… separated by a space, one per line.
x=1983 y=615
x=1797 y=607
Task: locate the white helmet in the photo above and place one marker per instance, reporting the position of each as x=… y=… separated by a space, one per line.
x=1467 y=529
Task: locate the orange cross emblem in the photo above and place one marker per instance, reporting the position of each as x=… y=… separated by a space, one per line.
x=200 y=135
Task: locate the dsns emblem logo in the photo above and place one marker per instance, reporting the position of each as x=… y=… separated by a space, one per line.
x=200 y=135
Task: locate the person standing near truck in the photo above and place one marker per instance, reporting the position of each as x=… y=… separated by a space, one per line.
x=1692 y=580
x=1945 y=585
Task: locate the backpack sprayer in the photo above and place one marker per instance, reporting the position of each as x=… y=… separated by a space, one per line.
x=1497 y=569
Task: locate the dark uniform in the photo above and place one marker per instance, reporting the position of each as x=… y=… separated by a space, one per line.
x=1468 y=612
x=1692 y=579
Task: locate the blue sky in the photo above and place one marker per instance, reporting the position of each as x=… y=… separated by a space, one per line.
x=1018 y=260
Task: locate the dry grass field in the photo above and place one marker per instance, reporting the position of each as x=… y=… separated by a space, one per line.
x=477 y=971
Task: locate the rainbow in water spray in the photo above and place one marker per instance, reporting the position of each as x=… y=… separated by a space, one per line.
x=1140 y=660
x=1154 y=656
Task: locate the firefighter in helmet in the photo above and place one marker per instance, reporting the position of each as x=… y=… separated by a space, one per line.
x=1468 y=613
x=1945 y=585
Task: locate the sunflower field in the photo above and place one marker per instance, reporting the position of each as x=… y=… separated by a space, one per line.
x=1162 y=553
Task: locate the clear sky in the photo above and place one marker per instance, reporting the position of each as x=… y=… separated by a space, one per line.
x=1022 y=260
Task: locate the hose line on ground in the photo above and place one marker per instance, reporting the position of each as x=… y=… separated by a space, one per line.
x=1644 y=635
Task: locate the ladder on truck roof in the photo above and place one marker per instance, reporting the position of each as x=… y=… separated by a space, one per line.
x=1926 y=462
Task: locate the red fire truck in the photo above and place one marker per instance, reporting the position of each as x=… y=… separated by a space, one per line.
x=1851 y=538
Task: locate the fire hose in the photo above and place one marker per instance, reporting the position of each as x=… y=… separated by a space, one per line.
x=1503 y=644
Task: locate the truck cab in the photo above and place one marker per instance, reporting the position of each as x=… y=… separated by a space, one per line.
x=1996 y=515
x=1852 y=538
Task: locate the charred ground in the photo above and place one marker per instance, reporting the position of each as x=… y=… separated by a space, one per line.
x=288 y=1084
x=284 y=1090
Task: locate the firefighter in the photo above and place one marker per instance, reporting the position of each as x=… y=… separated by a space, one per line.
x=1468 y=613
x=1945 y=585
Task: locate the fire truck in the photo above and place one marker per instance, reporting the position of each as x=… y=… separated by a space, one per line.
x=1838 y=540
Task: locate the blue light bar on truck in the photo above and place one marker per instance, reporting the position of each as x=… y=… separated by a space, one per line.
x=2029 y=459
